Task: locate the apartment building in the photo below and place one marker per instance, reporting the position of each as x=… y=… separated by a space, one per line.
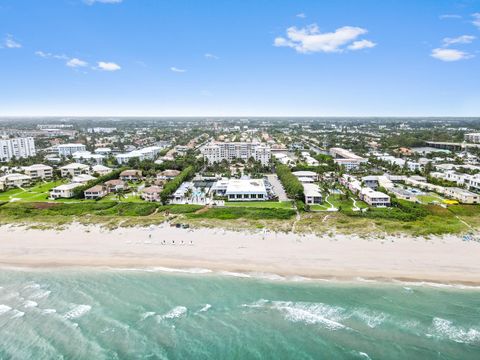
x=14 y=180
x=374 y=198
x=74 y=169
x=346 y=158
x=473 y=138
x=17 y=147
x=219 y=151
x=70 y=149
x=148 y=153
x=38 y=171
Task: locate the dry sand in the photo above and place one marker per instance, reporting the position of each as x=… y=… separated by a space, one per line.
x=445 y=259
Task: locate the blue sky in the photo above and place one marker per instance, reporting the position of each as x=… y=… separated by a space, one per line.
x=240 y=57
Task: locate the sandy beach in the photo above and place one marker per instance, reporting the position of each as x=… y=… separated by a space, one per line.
x=445 y=259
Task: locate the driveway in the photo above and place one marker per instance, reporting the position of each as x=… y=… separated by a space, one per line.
x=277 y=187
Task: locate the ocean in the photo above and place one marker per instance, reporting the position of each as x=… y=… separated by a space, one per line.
x=195 y=314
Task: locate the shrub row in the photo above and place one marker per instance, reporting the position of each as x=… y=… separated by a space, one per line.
x=293 y=187
x=172 y=186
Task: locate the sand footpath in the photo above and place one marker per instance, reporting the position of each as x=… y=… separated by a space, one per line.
x=445 y=259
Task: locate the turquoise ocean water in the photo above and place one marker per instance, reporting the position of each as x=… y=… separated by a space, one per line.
x=146 y=314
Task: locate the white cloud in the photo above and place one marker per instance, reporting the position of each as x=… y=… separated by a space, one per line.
x=449 y=16
x=177 y=70
x=47 y=55
x=76 y=63
x=108 y=66
x=463 y=39
x=211 y=56
x=362 y=44
x=11 y=43
x=309 y=39
x=301 y=15
x=476 y=19
x=449 y=55
x=91 y=2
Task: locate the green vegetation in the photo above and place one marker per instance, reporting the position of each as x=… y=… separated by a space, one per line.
x=39 y=192
x=173 y=185
x=293 y=187
x=78 y=192
x=232 y=213
x=261 y=204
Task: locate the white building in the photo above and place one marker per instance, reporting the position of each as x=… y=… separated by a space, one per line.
x=18 y=148
x=38 y=171
x=87 y=156
x=14 y=180
x=473 y=137
x=312 y=194
x=101 y=170
x=346 y=158
x=241 y=189
x=82 y=178
x=148 y=153
x=462 y=195
x=306 y=176
x=74 y=169
x=374 y=198
x=218 y=151
x=70 y=149
x=64 y=191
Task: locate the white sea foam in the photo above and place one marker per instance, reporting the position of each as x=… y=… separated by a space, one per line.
x=29 y=304
x=189 y=271
x=445 y=329
x=32 y=286
x=257 y=304
x=48 y=311
x=147 y=314
x=205 y=308
x=268 y=276
x=167 y=269
x=17 y=314
x=235 y=274
x=40 y=294
x=307 y=313
x=369 y=317
x=311 y=313
x=77 y=312
x=176 y=312
x=4 y=309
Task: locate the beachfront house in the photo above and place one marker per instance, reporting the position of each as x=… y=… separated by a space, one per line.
x=151 y=193
x=131 y=175
x=95 y=192
x=246 y=190
x=312 y=194
x=374 y=198
x=64 y=191
x=462 y=195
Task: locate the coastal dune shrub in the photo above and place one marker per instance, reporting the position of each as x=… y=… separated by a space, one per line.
x=232 y=213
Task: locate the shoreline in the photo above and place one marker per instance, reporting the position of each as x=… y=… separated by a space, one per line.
x=441 y=259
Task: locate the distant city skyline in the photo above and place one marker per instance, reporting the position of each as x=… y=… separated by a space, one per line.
x=239 y=58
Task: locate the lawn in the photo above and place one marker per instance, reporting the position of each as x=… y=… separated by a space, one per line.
x=429 y=197
x=38 y=192
x=261 y=204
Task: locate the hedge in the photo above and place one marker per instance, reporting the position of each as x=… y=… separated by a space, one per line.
x=290 y=182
